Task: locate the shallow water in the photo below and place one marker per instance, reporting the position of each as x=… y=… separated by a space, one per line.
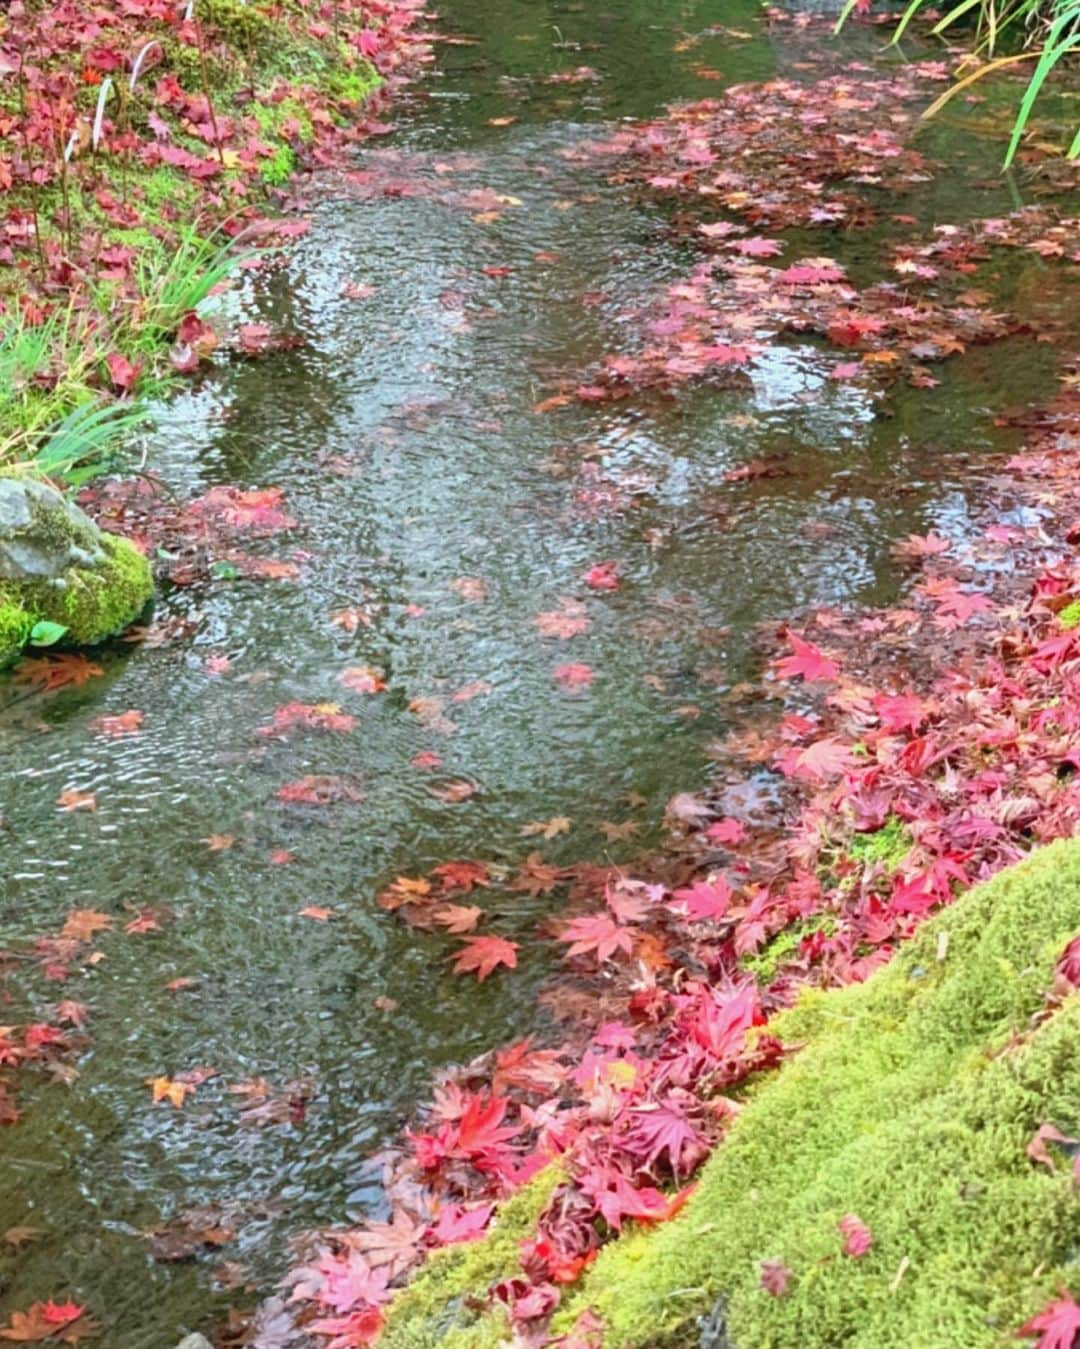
x=403 y=435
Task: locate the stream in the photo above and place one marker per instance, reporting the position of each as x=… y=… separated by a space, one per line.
x=430 y=495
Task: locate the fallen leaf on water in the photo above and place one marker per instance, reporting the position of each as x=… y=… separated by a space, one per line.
x=479 y=688
x=118 y=723
x=470 y=588
x=806 y=660
x=166 y=1089
x=83 y=923
x=63 y=1321
x=574 y=676
x=614 y=832
x=350 y=619
x=456 y=918
x=456 y=790
x=602 y=576
x=482 y=955
x=558 y=824
x=362 y=679
x=56 y=672
x=426 y=760
x=73 y=800
x=319 y=789
x=567 y=621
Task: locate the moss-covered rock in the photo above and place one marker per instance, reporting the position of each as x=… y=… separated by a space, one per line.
x=911 y=1105
x=57 y=567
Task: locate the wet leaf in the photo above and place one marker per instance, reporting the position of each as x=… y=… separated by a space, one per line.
x=483 y=955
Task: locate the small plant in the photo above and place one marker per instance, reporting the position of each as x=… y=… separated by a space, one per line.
x=1050 y=31
x=84 y=443
x=183 y=282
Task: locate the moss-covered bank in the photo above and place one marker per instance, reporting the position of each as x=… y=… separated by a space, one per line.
x=911 y=1105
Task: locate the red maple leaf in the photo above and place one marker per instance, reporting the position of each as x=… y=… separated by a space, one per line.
x=461 y=875
x=720 y=1026
x=456 y=1223
x=726 y=831
x=597 y=933
x=1057 y=1325
x=955 y=608
x=856 y=1234
x=657 y=1129
x=122 y=372
x=574 y=676
x=481 y=1127
x=814 y=272
x=616 y=1198
x=704 y=899
x=118 y=723
x=900 y=711
x=56 y=672
x=824 y=759
x=757 y=247
x=603 y=576
x=807 y=660
x=484 y=954
x=774 y=1277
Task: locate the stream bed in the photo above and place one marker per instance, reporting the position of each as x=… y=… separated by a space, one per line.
x=442 y=292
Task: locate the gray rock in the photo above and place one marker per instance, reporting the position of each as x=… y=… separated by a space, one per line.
x=41 y=534
x=195 y=1342
x=57 y=568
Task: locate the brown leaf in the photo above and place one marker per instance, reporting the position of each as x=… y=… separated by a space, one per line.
x=74 y=800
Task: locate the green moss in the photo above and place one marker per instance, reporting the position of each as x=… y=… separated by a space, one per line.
x=784 y=946
x=1070 y=615
x=432 y=1310
x=15 y=625
x=351 y=85
x=911 y=1105
x=272 y=117
x=889 y=845
x=278 y=168
x=242 y=25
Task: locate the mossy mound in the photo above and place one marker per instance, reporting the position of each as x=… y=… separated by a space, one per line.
x=911 y=1105
x=432 y=1312
x=58 y=568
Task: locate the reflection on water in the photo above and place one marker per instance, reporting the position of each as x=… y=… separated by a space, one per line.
x=404 y=436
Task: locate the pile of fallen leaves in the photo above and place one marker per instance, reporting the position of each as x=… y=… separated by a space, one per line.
x=196 y=540
x=765 y=158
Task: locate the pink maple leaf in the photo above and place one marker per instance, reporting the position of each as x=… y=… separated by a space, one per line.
x=704 y=899
x=597 y=933
x=856 y=1234
x=574 y=676
x=806 y=660
x=1057 y=1325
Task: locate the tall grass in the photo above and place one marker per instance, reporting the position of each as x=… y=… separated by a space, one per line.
x=54 y=418
x=1048 y=31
